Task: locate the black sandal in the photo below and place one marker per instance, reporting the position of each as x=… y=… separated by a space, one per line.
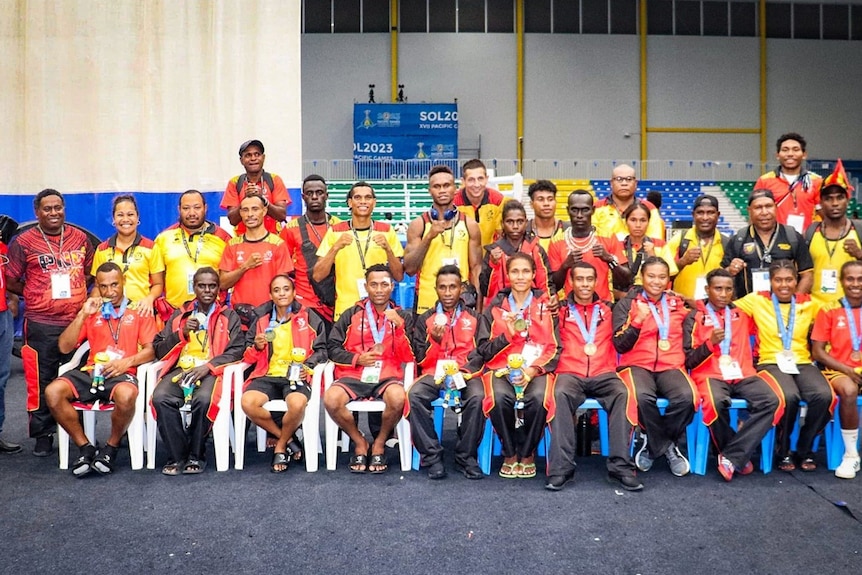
x=104 y=462
x=194 y=466
x=787 y=464
x=380 y=462
x=279 y=459
x=358 y=463
x=171 y=468
x=808 y=465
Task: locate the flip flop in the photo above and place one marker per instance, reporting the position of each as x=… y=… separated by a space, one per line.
x=358 y=463
x=510 y=470
x=527 y=471
x=380 y=461
x=279 y=459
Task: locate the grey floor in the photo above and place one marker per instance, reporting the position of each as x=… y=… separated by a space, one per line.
x=336 y=522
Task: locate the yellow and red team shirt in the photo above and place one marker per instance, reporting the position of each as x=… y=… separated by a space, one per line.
x=559 y=233
x=282 y=351
x=137 y=262
x=352 y=261
x=232 y=198
x=181 y=255
x=132 y=331
x=759 y=306
x=489 y=213
x=253 y=286
x=609 y=221
x=292 y=236
x=450 y=247
x=660 y=249
x=832 y=328
x=559 y=251
x=828 y=257
x=795 y=203
x=690 y=281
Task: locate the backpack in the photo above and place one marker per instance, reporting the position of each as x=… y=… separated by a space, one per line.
x=814 y=226
x=789 y=232
x=684 y=243
x=324 y=289
x=265 y=176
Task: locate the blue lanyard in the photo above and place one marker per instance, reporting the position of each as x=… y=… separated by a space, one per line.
x=519 y=313
x=377 y=333
x=786 y=332
x=455 y=315
x=108 y=311
x=725 y=343
x=662 y=322
x=589 y=336
x=855 y=336
x=273 y=318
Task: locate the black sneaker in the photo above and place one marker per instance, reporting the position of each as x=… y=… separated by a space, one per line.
x=557 y=482
x=436 y=471
x=104 y=462
x=44 y=446
x=627 y=482
x=84 y=464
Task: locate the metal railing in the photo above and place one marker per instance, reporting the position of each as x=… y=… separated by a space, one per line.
x=533 y=169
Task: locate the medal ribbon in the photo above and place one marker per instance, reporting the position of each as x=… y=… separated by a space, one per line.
x=785 y=331
x=205 y=326
x=663 y=321
x=376 y=332
x=519 y=313
x=855 y=336
x=109 y=313
x=725 y=343
x=589 y=336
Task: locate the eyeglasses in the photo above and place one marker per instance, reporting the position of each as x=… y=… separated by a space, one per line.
x=621 y=179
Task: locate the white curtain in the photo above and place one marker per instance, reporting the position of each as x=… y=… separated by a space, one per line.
x=146 y=95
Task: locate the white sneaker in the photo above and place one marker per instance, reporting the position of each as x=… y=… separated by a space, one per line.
x=848 y=468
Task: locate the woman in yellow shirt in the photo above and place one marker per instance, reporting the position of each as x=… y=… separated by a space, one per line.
x=134 y=254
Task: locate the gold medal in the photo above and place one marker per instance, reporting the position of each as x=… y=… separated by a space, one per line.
x=269 y=335
x=520 y=324
x=856 y=355
x=590 y=349
x=725 y=360
x=663 y=344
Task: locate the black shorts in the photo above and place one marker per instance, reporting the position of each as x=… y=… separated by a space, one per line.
x=358 y=390
x=82 y=381
x=276 y=387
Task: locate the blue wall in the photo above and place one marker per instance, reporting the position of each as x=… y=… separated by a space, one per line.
x=93 y=210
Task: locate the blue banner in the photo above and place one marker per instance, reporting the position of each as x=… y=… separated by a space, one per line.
x=405 y=131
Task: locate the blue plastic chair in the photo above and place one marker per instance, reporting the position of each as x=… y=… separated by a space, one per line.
x=767 y=444
x=838 y=440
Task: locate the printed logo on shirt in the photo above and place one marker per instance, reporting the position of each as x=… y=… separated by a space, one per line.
x=748 y=249
x=784 y=247
x=842 y=323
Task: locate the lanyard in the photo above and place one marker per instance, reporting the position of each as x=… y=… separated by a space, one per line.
x=634 y=263
x=310 y=225
x=826 y=240
x=205 y=326
x=274 y=321
x=703 y=258
x=362 y=253
x=186 y=243
x=127 y=254
x=725 y=343
x=786 y=332
x=855 y=336
x=764 y=255
x=589 y=336
x=50 y=248
x=456 y=313
x=109 y=313
x=663 y=320
x=519 y=313
x=377 y=333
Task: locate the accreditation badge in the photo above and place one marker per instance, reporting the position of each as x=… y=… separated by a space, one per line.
x=787 y=362
x=371 y=373
x=61 y=285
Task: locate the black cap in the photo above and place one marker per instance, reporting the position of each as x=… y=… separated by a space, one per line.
x=705 y=200
x=760 y=193
x=245 y=146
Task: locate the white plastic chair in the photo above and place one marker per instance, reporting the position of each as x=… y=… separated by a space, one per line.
x=402 y=429
x=310 y=422
x=222 y=430
x=89 y=410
